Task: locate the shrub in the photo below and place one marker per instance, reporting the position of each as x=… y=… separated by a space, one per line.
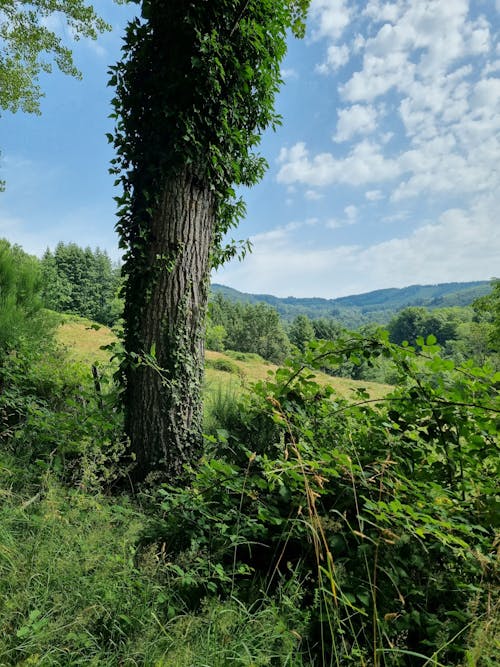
x=224 y=365
x=382 y=511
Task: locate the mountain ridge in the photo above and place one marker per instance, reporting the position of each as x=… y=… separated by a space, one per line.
x=374 y=306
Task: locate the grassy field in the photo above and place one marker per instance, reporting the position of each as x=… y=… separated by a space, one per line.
x=84 y=342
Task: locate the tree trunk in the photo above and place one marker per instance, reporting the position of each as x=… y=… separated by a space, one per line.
x=165 y=327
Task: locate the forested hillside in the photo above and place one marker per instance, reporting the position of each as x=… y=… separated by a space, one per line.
x=377 y=306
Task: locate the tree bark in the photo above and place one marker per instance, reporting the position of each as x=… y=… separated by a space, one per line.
x=166 y=331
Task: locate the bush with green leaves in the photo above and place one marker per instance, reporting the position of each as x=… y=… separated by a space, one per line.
x=21 y=314
x=383 y=511
x=52 y=414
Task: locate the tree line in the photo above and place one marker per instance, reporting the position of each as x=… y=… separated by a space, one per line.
x=81 y=281
x=464 y=333
x=85 y=282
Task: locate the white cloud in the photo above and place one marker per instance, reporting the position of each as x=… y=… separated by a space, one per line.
x=486 y=96
x=374 y=195
x=429 y=57
x=350 y=218
x=330 y=17
x=491 y=67
x=378 y=76
x=336 y=57
x=382 y=12
x=423 y=41
x=313 y=195
x=358 y=43
x=357 y=119
x=277 y=236
x=364 y=164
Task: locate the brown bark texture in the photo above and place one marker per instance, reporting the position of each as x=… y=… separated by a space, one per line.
x=163 y=390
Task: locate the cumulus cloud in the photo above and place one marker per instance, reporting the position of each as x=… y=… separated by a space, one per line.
x=419 y=115
x=330 y=17
x=423 y=41
x=460 y=245
x=357 y=119
x=364 y=164
x=431 y=64
x=336 y=57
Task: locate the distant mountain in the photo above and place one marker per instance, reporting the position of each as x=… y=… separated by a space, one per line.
x=378 y=306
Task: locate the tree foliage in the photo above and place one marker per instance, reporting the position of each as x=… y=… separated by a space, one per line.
x=28 y=46
x=301 y=331
x=194 y=92
x=249 y=328
x=20 y=297
x=81 y=281
x=488 y=308
x=413 y=322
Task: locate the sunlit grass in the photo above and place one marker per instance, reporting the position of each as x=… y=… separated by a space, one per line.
x=84 y=343
x=253 y=368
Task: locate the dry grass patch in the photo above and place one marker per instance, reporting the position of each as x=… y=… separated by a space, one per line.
x=253 y=368
x=83 y=343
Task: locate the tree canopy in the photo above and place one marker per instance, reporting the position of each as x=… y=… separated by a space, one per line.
x=81 y=281
x=28 y=46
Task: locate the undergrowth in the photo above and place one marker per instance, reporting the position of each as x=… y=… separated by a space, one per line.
x=316 y=530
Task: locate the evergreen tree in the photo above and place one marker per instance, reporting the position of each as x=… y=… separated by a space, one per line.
x=20 y=299
x=81 y=281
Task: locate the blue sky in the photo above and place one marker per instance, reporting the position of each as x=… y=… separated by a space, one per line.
x=383 y=174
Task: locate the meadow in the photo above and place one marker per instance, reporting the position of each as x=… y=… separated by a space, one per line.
x=328 y=523
x=84 y=340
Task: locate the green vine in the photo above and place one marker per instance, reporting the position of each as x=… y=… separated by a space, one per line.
x=194 y=92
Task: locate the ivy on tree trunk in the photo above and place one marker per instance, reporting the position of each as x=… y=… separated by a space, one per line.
x=163 y=417
x=194 y=91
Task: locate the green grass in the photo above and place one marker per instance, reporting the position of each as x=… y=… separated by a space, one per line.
x=84 y=339
x=237 y=369
x=75 y=590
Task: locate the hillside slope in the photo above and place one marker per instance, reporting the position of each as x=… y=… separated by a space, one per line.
x=236 y=369
x=377 y=306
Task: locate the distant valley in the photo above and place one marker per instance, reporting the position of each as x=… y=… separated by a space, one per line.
x=377 y=306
